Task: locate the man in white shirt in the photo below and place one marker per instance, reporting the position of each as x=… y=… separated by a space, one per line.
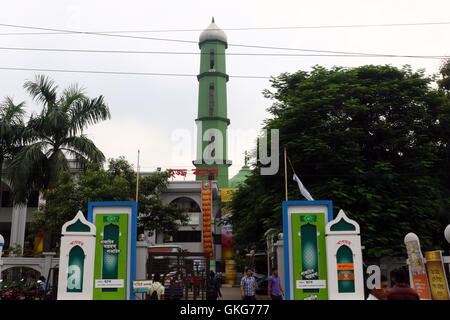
x=381 y=293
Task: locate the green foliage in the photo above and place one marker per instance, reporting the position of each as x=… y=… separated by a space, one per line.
x=444 y=83
x=155 y=216
x=116 y=183
x=52 y=134
x=11 y=129
x=374 y=139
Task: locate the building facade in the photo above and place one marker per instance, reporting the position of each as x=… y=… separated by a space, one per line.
x=190 y=237
x=211 y=157
x=15 y=220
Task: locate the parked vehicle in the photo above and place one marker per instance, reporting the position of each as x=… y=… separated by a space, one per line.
x=11 y=292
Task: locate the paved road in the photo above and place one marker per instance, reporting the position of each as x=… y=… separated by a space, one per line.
x=234 y=293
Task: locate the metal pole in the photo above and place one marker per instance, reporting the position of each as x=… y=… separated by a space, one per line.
x=137 y=179
x=285 y=173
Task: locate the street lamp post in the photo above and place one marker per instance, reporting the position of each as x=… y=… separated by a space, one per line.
x=447 y=237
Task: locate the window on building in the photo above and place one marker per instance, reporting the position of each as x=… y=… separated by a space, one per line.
x=187 y=236
x=188 y=203
x=211 y=59
x=211 y=99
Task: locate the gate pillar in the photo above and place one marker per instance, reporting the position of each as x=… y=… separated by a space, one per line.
x=76 y=262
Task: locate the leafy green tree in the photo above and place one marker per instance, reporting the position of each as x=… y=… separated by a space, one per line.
x=11 y=130
x=374 y=139
x=116 y=183
x=156 y=216
x=444 y=83
x=53 y=134
x=62 y=203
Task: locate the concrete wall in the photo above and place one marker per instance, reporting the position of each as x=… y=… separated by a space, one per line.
x=5 y=215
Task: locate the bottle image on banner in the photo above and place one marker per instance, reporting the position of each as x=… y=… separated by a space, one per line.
x=345 y=269
x=111 y=256
x=309 y=266
x=310 y=254
x=110 y=260
x=75 y=270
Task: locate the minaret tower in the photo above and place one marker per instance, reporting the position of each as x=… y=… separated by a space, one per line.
x=212 y=121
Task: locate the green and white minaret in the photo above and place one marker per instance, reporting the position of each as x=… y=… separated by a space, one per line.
x=212 y=121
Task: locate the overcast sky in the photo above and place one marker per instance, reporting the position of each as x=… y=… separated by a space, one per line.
x=156 y=113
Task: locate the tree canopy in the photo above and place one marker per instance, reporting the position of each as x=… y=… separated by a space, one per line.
x=11 y=129
x=373 y=139
x=53 y=134
x=116 y=183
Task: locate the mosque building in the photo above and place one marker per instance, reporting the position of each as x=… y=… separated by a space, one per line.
x=211 y=166
x=211 y=161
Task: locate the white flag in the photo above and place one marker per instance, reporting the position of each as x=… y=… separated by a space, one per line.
x=302 y=188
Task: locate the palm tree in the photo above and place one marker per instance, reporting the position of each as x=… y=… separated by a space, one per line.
x=11 y=129
x=53 y=134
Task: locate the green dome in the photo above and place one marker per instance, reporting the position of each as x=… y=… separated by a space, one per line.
x=240 y=177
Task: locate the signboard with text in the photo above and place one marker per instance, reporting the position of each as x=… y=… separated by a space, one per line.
x=206 y=218
x=115 y=249
x=417 y=269
x=227 y=229
x=305 y=249
x=142 y=286
x=437 y=276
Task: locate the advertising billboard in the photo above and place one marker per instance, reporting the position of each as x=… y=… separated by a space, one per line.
x=115 y=249
x=305 y=249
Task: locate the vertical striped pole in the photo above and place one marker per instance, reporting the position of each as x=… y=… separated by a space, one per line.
x=285 y=173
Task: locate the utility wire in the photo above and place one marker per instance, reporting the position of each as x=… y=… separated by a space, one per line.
x=122 y=72
x=228 y=54
x=252 y=28
x=190 y=41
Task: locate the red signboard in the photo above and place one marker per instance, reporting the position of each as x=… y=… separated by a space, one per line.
x=345 y=266
x=198 y=172
x=206 y=217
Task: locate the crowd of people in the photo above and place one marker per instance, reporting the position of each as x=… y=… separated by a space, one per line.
x=400 y=290
x=213 y=285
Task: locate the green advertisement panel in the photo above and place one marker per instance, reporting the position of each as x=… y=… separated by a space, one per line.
x=75 y=270
x=346 y=275
x=309 y=256
x=110 y=271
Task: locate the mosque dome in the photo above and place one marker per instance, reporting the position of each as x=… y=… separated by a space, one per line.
x=213 y=32
x=240 y=178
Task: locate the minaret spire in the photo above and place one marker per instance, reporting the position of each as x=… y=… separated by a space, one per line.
x=212 y=120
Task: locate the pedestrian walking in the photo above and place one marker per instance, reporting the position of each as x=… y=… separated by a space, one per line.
x=156 y=290
x=274 y=289
x=401 y=289
x=213 y=287
x=248 y=286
